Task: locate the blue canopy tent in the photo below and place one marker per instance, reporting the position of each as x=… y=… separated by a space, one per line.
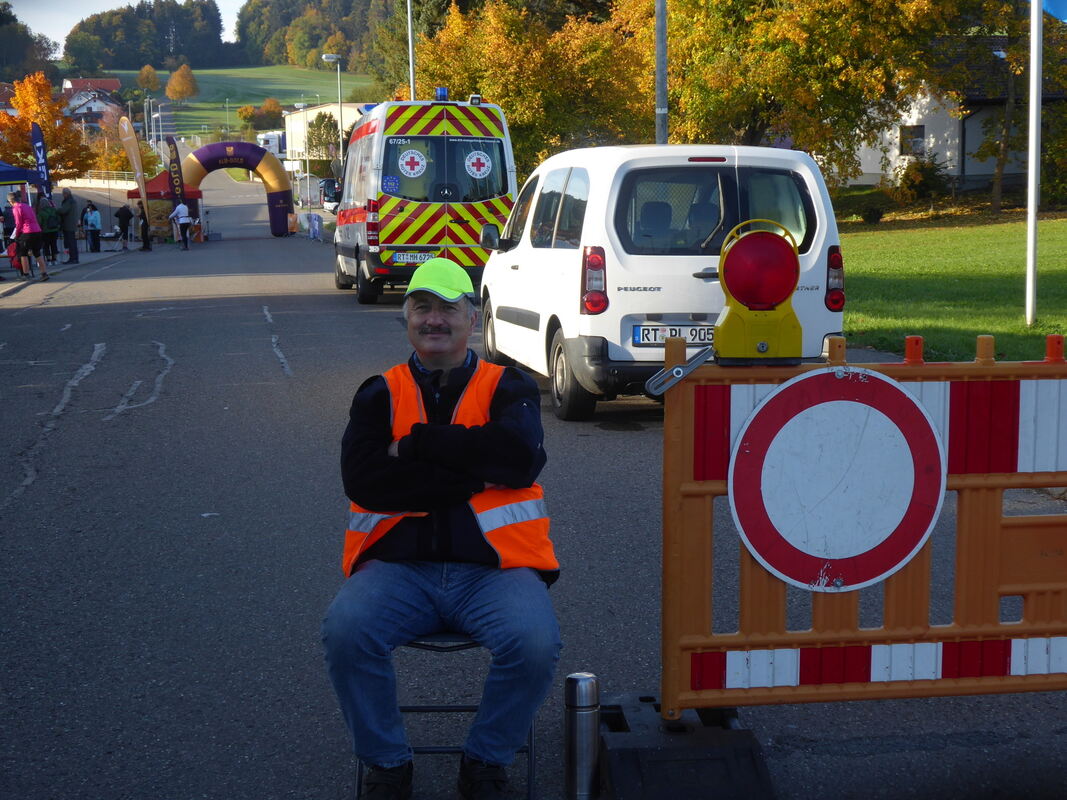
x=12 y=174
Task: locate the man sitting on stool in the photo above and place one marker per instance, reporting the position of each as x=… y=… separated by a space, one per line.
x=447 y=531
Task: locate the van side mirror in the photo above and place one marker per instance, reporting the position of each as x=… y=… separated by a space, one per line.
x=490 y=237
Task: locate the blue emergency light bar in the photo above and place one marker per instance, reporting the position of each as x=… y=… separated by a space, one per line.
x=440 y=93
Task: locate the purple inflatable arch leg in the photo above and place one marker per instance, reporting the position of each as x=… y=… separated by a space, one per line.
x=245 y=155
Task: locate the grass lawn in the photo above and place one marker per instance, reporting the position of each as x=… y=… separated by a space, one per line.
x=251 y=86
x=951 y=279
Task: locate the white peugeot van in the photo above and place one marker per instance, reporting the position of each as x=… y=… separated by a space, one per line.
x=609 y=251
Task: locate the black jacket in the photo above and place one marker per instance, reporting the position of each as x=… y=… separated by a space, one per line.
x=440 y=465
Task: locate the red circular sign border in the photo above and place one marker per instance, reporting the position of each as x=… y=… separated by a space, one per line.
x=746 y=491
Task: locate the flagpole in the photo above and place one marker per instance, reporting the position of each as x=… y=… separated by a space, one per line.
x=1033 y=182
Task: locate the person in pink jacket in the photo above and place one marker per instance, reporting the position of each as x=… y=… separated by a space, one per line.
x=27 y=236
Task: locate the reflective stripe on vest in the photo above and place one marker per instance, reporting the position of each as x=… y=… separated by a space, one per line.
x=514 y=522
x=364 y=521
x=511 y=514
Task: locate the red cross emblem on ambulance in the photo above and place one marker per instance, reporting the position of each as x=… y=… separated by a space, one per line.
x=478 y=164
x=412 y=163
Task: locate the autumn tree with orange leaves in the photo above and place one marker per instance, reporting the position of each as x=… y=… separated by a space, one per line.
x=571 y=87
x=182 y=85
x=68 y=157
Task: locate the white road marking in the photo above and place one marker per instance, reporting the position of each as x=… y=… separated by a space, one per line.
x=281 y=356
x=126 y=405
x=266 y=313
x=26 y=459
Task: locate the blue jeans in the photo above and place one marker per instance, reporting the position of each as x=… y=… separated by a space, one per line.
x=385 y=604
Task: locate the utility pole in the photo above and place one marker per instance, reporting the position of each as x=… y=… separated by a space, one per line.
x=411 y=53
x=307 y=160
x=661 y=71
x=333 y=58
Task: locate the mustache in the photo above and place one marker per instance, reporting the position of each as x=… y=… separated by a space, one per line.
x=427 y=329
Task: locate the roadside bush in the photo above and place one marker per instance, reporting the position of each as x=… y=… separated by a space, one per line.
x=920 y=179
x=1054 y=157
x=872 y=214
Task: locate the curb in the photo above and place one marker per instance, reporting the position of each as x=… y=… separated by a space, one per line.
x=14 y=286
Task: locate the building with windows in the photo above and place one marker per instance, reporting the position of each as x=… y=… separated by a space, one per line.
x=950 y=132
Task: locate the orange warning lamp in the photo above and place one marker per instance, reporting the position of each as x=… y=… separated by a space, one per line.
x=759 y=270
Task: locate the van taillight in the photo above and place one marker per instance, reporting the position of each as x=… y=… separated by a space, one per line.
x=835 y=279
x=372 y=224
x=594 y=281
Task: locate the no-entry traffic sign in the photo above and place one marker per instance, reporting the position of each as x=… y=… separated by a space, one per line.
x=836 y=479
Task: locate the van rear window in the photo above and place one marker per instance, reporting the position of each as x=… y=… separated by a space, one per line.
x=444 y=169
x=689 y=210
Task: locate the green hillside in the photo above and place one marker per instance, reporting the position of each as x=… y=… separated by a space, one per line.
x=251 y=86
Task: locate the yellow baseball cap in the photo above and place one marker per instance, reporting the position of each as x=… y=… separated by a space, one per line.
x=442 y=277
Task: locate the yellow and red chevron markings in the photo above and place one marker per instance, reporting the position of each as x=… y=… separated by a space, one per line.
x=443 y=120
x=468 y=218
x=405 y=222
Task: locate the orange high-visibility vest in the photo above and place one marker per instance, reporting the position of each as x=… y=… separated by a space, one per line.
x=513 y=521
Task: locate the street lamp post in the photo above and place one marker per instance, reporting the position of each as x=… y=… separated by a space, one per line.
x=411 y=53
x=333 y=58
x=307 y=161
x=227 y=116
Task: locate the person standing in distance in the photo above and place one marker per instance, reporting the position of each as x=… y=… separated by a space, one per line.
x=68 y=219
x=124 y=215
x=447 y=531
x=91 y=216
x=146 y=230
x=180 y=214
x=48 y=217
x=27 y=236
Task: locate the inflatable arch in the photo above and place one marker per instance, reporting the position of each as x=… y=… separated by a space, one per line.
x=245 y=155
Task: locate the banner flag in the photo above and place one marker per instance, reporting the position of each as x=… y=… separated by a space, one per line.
x=177 y=183
x=39 y=151
x=133 y=154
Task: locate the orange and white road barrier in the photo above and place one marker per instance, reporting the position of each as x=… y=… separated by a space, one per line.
x=835 y=476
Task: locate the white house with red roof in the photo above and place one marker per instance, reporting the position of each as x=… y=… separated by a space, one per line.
x=72 y=86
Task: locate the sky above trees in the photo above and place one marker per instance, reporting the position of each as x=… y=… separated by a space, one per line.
x=55 y=18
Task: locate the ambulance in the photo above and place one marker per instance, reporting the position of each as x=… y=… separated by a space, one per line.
x=421 y=179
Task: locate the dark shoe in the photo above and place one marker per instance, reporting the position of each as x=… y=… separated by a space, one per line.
x=479 y=780
x=45 y=277
x=380 y=783
x=71 y=261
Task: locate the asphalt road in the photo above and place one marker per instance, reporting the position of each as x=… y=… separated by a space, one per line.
x=171 y=517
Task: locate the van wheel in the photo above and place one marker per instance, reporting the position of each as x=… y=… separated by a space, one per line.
x=492 y=355
x=569 y=400
x=366 y=292
x=341 y=280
